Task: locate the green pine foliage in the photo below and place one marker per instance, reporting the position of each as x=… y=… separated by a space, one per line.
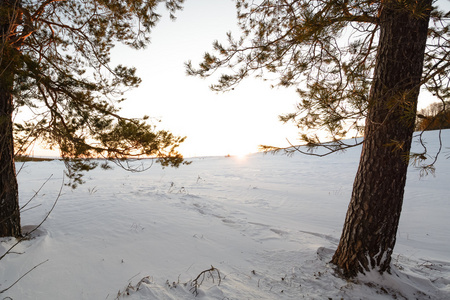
x=327 y=51
x=55 y=61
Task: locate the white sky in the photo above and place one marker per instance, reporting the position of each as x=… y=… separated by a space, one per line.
x=235 y=122
x=214 y=123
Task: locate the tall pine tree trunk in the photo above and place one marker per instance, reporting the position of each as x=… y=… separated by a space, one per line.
x=9 y=200
x=370 y=228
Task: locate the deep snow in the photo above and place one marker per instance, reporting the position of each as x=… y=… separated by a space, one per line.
x=268 y=223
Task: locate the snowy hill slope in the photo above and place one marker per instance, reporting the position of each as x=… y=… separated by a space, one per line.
x=267 y=224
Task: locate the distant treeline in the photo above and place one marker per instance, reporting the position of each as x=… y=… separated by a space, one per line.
x=435 y=116
x=23 y=158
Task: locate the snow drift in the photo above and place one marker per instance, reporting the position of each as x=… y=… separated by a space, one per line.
x=265 y=226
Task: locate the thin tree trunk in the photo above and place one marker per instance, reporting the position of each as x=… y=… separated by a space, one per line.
x=9 y=200
x=370 y=228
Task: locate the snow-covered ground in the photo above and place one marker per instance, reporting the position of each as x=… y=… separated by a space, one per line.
x=267 y=225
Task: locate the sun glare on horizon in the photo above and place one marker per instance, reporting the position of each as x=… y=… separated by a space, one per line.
x=241 y=156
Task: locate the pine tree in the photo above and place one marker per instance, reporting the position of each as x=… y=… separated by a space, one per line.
x=55 y=63
x=358 y=67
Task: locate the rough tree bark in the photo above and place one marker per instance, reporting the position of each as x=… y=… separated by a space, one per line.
x=9 y=199
x=370 y=228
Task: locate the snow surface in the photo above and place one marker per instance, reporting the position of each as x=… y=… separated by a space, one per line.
x=268 y=224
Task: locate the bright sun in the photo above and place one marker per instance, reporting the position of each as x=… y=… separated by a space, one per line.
x=241 y=154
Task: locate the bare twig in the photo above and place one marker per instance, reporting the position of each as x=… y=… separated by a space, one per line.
x=15 y=282
x=23 y=210
x=28 y=234
x=36 y=193
x=197 y=282
x=132 y=288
